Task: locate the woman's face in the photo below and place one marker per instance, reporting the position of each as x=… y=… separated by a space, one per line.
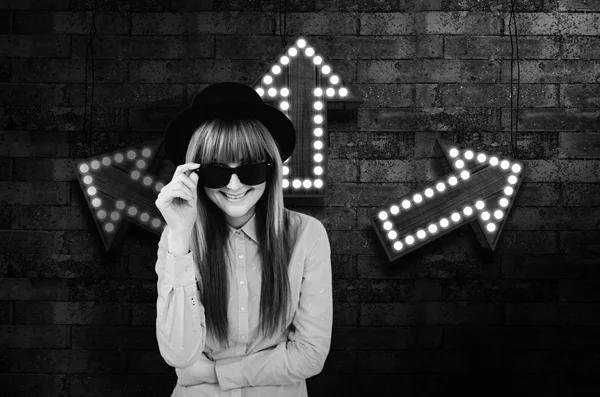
x=236 y=200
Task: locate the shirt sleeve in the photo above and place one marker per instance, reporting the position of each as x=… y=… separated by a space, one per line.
x=304 y=353
x=180 y=321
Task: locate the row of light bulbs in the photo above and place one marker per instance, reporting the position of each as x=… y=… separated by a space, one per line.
x=467 y=211
x=132 y=211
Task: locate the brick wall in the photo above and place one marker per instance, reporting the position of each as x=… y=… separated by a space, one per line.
x=449 y=317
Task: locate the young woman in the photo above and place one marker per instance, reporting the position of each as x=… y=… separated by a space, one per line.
x=244 y=304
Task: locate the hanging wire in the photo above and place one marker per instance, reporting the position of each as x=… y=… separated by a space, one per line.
x=89 y=53
x=512 y=23
x=283 y=21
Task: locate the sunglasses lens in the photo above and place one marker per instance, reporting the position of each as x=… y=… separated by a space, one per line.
x=253 y=174
x=215 y=177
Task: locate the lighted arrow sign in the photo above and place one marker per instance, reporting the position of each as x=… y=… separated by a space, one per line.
x=121 y=186
x=480 y=189
x=303 y=86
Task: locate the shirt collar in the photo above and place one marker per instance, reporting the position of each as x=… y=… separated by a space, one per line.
x=249 y=229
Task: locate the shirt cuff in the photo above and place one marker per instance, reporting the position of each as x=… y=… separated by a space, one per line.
x=229 y=373
x=180 y=270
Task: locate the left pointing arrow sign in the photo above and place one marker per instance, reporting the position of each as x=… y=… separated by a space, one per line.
x=480 y=189
x=122 y=186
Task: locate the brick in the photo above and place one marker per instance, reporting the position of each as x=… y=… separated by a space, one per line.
x=435 y=265
x=66 y=361
x=66 y=71
x=579 y=338
x=3 y=264
x=584 y=313
x=38 y=336
x=428 y=71
x=64 y=266
x=371 y=145
x=60 y=118
x=157 y=119
x=576 y=242
x=193 y=5
x=427 y=290
x=538 y=242
x=250 y=47
x=494 y=337
x=457 y=313
x=147 y=362
x=580 y=95
x=123 y=6
x=530 y=313
x=182 y=71
x=491 y=5
x=580 y=47
x=339 y=47
x=142 y=47
x=32 y=385
x=111 y=337
x=84 y=313
x=536 y=145
x=310 y=23
x=48 y=218
x=114 y=290
x=348 y=242
x=385 y=95
x=380 y=24
x=433 y=119
x=499 y=290
x=458 y=23
x=35 y=46
x=550 y=266
x=340 y=362
x=31 y=22
x=485 y=95
x=360 y=5
x=579 y=383
x=494 y=47
x=386 y=314
x=40 y=95
x=580 y=24
x=342 y=171
x=6 y=312
x=373 y=290
x=345 y=313
x=343 y=266
x=6 y=18
x=349 y=194
x=143 y=314
x=80 y=22
x=236 y=23
x=124 y=385
x=387 y=171
x=548 y=71
x=580 y=194
x=163 y=24
x=552 y=119
x=577 y=5
x=33 y=289
x=36 y=4
x=578 y=290
x=29 y=241
x=142 y=266
x=125 y=95
x=580 y=171
x=536 y=24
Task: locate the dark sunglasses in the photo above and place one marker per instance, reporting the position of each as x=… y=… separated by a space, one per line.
x=217 y=175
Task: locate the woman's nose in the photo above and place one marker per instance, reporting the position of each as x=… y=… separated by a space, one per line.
x=234 y=182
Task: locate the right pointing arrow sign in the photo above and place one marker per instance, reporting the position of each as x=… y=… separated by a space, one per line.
x=481 y=187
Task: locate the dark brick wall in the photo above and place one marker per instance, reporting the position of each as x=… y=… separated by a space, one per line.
x=449 y=317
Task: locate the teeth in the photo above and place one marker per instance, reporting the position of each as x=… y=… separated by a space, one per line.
x=235 y=197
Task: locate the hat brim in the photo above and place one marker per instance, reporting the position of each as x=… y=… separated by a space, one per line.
x=184 y=124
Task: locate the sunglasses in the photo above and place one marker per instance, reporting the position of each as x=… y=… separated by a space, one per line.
x=216 y=175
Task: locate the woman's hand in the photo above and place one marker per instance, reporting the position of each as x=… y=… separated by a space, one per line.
x=202 y=371
x=177 y=200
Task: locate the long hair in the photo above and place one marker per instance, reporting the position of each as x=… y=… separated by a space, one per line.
x=232 y=141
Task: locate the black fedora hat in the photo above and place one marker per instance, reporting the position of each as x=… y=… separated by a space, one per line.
x=227 y=101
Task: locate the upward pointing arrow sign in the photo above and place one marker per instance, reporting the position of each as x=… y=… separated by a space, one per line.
x=303 y=85
x=480 y=189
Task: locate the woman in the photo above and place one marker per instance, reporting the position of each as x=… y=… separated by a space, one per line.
x=244 y=302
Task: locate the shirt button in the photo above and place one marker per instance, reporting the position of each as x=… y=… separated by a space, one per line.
x=242 y=282
x=243 y=337
x=240 y=256
x=243 y=309
x=189 y=269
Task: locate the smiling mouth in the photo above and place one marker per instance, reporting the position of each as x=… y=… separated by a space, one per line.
x=236 y=197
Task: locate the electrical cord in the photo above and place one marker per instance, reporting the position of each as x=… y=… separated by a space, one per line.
x=89 y=53
x=512 y=22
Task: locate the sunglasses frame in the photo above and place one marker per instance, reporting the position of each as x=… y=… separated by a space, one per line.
x=267 y=163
